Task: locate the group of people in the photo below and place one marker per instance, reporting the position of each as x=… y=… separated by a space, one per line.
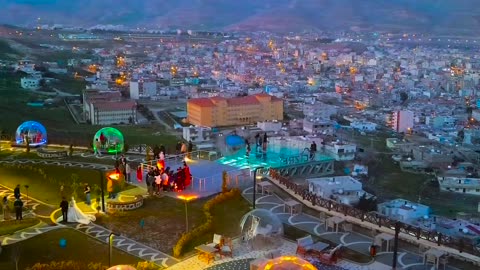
x=165 y=179
x=103 y=142
x=259 y=143
x=17 y=205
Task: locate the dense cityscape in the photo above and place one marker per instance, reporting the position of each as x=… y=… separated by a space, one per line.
x=139 y=148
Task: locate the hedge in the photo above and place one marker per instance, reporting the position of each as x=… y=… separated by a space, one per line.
x=74 y=265
x=207 y=226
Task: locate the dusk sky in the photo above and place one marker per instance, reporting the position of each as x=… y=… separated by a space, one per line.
x=439 y=15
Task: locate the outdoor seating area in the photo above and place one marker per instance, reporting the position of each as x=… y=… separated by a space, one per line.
x=322 y=251
x=436 y=258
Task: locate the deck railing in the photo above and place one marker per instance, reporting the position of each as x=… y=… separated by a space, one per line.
x=376 y=218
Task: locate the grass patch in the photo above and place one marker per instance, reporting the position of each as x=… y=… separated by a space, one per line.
x=226 y=221
x=165 y=221
x=294 y=233
x=69 y=84
x=11 y=226
x=45 y=248
x=48 y=190
x=7 y=52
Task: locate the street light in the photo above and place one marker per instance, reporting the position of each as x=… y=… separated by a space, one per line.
x=110 y=241
x=102 y=190
x=398 y=226
x=255 y=184
x=186 y=199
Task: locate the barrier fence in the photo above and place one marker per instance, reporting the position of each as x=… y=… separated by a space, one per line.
x=462 y=245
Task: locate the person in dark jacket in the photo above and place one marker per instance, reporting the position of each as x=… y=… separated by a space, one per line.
x=18 y=205
x=64 y=207
x=16 y=192
x=178 y=147
x=156 y=152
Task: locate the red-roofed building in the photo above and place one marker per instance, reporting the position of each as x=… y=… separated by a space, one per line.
x=220 y=111
x=108 y=107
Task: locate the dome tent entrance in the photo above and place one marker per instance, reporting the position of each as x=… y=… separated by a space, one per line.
x=108 y=140
x=34 y=132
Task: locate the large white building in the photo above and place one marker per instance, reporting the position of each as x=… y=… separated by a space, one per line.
x=106 y=108
x=342 y=189
x=403 y=210
x=341 y=151
x=402 y=121
x=318 y=126
x=30 y=83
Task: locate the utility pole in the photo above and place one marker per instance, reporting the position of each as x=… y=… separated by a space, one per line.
x=395 y=245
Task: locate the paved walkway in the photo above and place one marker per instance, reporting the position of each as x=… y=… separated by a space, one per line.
x=26 y=233
x=316 y=226
x=128 y=245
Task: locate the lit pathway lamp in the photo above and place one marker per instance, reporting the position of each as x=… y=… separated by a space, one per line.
x=110 y=242
x=186 y=199
x=255 y=184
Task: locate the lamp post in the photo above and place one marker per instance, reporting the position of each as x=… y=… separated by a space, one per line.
x=186 y=199
x=255 y=184
x=110 y=241
x=398 y=225
x=102 y=190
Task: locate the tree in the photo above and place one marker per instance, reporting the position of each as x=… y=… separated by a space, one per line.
x=75 y=184
x=403 y=97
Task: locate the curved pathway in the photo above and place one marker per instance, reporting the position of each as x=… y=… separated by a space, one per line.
x=316 y=226
x=128 y=245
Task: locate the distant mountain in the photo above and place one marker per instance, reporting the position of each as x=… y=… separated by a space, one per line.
x=440 y=16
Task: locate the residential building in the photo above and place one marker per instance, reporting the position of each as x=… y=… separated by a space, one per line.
x=142 y=88
x=318 y=126
x=459 y=181
x=402 y=121
x=274 y=126
x=363 y=126
x=197 y=134
x=219 y=111
x=403 y=210
x=342 y=189
x=108 y=107
x=341 y=151
x=30 y=83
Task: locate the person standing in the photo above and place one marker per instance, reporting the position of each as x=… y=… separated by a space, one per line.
x=86 y=190
x=165 y=178
x=16 y=192
x=183 y=149
x=5 y=207
x=64 y=207
x=190 y=149
x=313 y=150
x=128 y=175
x=98 y=146
x=18 y=204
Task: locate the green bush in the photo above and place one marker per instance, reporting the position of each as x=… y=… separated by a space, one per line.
x=207 y=226
x=67 y=265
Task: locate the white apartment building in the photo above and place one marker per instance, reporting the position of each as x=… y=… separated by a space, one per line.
x=402 y=121
x=274 y=126
x=30 y=83
x=341 y=151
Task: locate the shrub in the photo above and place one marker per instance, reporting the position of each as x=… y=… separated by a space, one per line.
x=67 y=265
x=146 y=266
x=207 y=226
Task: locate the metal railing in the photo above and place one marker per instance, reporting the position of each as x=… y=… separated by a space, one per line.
x=179 y=158
x=376 y=218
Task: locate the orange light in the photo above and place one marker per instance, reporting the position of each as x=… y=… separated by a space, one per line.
x=114 y=176
x=187 y=197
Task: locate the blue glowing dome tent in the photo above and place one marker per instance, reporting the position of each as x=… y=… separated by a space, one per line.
x=31 y=131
